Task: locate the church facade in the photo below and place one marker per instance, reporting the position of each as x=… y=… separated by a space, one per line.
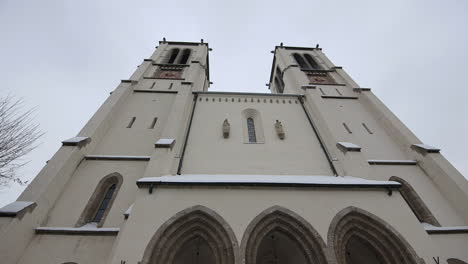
x=166 y=171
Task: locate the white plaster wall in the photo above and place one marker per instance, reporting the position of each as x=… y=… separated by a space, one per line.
x=139 y=139
x=208 y=152
x=81 y=186
x=318 y=206
x=57 y=249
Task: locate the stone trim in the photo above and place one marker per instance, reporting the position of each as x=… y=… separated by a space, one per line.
x=355 y=222
x=93 y=204
x=196 y=221
x=285 y=221
x=17 y=209
x=455 y=261
x=338 y=97
x=415 y=202
x=77 y=231
x=76 y=141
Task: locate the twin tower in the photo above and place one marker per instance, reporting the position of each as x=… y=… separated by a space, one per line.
x=318 y=171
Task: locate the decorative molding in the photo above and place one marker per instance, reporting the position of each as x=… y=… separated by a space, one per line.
x=117 y=157
x=338 y=97
x=148 y=60
x=348 y=146
x=76 y=141
x=331 y=84
x=248 y=94
x=392 y=162
x=165 y=143
x=17 y=209
x=308 y=86
x=186 y=83
x=424 y=149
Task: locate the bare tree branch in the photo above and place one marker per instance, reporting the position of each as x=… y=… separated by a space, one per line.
x=18 y=137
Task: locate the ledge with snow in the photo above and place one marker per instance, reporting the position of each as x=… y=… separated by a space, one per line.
x=266 y=180
x=88 y=229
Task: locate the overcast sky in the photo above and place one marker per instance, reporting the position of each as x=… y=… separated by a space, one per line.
x=66 y=56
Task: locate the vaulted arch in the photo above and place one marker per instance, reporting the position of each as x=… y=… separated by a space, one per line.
x=356 y=236
x=416 y=204
x=278 y=235
x=196 y=233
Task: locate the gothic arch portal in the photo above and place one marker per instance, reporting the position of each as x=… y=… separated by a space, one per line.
x=297 y=241
x=196 y=231
x=357 y=236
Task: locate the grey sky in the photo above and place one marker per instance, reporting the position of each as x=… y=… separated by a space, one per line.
x=66 y=56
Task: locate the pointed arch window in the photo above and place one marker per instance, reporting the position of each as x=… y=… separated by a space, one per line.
x=279 y=83
x=173 y=56
x=302 y=63
x=251 y=130
x=104 y=203
x=312 y=63
x=101 y=201
x=185 y=56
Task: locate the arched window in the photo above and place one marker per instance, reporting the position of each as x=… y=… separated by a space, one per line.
x=185 y=56
x=101 y=201
x=194 y=235
x=251 y=130
x=313 y=64
x=173 y=56
x=278 y=235
x=252 y=126
x=104 y=204
x=415 y=202
x=300 y=61
x=359 y=237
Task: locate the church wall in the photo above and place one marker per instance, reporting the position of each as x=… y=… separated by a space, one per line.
x=140 y=138
x=231 y=203
x=81 y=186
x=57 y=249
x=208 y=152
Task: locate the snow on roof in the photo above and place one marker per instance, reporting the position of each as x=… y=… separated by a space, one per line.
x=88 y=229
x=444 y=229
x=116 y=157
x=76 y=141
x=392 y=162
x=296 y=180
x=426 y=148
x=348 y=146
x=15 y=208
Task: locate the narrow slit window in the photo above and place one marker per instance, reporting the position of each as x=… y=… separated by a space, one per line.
x=130 y=124
x=152 y=85
x=313 y=64
x=251 y=130
x=300 y=61
x=367 y=129
x=320 y=89
x=170 y=86
x=347 y=128
x=104 y=204
x=279 y=88
x=185 y=56
x=172 y=58
x=338 y=91
x=153 y=124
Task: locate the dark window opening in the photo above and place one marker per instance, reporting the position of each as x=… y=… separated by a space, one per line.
x=300 y=61
x=104 y=204
x=173 y=56
x=130 y=124
x=251 y=130
x=313 y=64
x=153 y=124
x=185 y=56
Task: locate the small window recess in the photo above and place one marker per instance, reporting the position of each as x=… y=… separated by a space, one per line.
x=173 y=56
x=170 y=86
x=130 y=124
x=338 y=91
x=347 y=128
x=152 y=85
x=321 y=90
x=367 y=129
x=153 y=124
